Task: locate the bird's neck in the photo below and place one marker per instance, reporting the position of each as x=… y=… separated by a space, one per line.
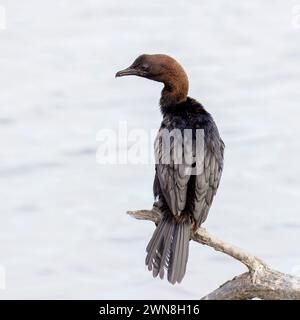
x=175 y=90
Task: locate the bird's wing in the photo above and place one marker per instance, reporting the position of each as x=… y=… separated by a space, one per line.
x=207 y=182
x=172 y=172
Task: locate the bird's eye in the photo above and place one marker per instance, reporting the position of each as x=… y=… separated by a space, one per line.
x=145 y=67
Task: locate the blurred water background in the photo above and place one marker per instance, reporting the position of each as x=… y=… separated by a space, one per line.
x=63 y=228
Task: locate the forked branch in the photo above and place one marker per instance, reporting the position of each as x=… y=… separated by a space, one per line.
x=261 y=281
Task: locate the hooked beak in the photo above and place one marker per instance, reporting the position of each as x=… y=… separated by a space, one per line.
x=130 y=71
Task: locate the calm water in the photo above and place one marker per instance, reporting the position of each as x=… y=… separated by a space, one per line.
x=63 y=231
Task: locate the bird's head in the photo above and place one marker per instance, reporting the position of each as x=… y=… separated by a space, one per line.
x=162 y=68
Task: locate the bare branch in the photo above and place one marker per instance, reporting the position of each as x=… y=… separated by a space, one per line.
x=260 y=282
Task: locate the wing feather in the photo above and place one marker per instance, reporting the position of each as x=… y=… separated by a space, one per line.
x=172 y=177
x=208 y=180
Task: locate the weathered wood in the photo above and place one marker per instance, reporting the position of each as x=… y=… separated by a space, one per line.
x=261 y=281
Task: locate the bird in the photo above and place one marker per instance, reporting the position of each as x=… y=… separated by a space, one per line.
x=183 y=192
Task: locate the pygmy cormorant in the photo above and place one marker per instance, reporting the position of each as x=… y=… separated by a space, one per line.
x=183 y=195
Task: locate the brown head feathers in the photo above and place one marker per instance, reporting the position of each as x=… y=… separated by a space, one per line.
x=165 y=69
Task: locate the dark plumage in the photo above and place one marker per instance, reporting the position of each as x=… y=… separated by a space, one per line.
x=183 y=197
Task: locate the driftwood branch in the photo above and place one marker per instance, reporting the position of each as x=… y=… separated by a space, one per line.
x=261 y=281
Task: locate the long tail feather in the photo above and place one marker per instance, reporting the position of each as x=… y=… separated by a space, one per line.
x=168 y=249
